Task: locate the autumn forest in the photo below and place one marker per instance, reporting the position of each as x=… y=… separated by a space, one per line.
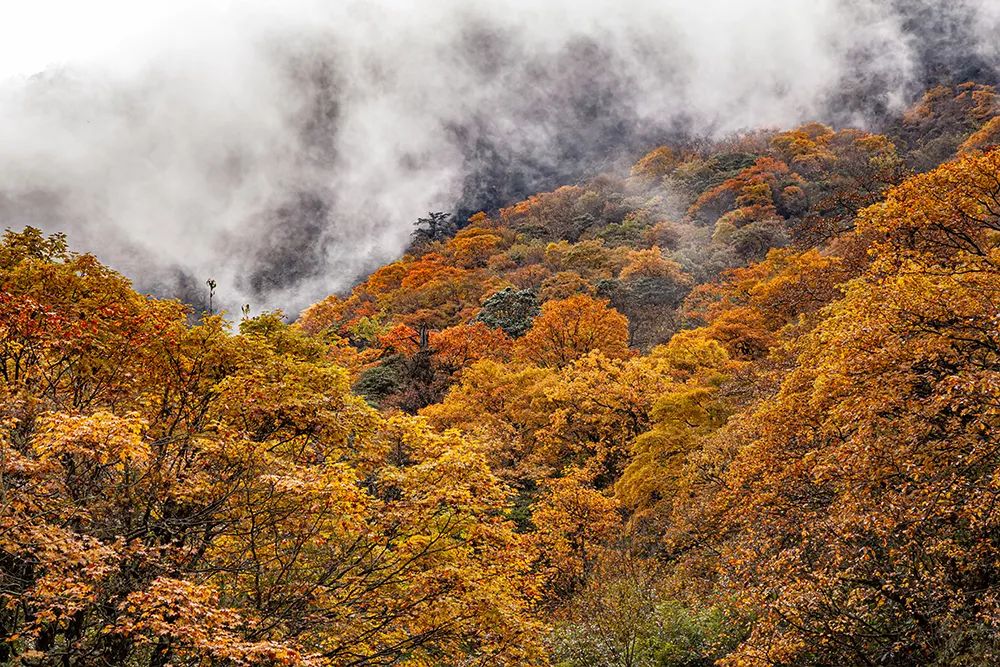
x=735 y=405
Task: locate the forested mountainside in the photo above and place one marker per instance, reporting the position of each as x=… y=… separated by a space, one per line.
x=738 y=406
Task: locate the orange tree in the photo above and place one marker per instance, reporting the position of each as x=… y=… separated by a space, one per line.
x=566 y=329
x=861 y=503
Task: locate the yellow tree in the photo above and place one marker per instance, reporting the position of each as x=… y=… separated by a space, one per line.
x=683 y=410
x=574 y=524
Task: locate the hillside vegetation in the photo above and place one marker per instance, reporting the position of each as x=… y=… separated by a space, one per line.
x=738 y=406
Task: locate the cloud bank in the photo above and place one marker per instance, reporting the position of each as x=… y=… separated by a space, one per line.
x=284 y=149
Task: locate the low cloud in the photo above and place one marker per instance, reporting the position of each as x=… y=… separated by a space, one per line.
x=283 y=149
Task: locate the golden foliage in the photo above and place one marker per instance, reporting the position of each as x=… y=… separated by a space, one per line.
x=569 y=328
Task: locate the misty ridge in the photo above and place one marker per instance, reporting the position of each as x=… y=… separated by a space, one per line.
x=286 y=148
x=510 y=334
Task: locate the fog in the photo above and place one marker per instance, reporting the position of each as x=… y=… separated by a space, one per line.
x=285 y=148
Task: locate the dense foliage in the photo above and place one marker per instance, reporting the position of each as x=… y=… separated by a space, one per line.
x=736 y=407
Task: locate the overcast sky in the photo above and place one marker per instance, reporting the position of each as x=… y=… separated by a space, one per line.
x=38 y=34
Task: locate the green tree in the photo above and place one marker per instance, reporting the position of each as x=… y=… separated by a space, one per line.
x=511 y=310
